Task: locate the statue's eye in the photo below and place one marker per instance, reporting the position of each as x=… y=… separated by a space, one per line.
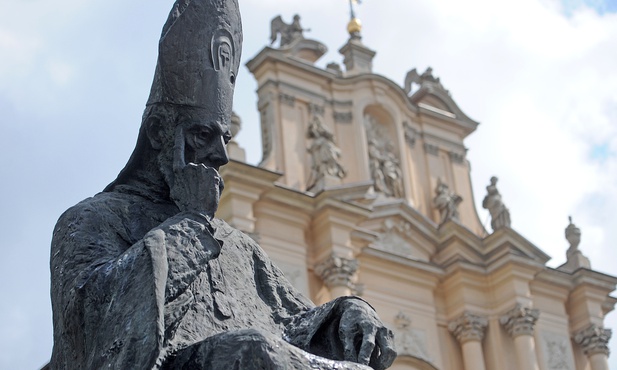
x=227 y=138
x=232 y=78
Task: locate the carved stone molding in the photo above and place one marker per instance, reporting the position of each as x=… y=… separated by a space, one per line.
x=456 y=157
x=288 y=100
x=342 y=117
x=468 y=327
x=316 y=109
x=520 y=320
x=411 y=134
x=594 y=339
x=337 y=271
x=431 y=149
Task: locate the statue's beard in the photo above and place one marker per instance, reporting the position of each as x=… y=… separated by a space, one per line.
x=165 y=164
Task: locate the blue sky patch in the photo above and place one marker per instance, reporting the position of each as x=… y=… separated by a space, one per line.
x=601 y=6
x=600 y=152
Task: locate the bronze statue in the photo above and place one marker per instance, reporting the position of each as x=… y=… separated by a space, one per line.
x=144 y=276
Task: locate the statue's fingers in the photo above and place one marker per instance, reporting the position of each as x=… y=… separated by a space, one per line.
x=179 y=161
x=347 y=336
x=367 y=347
x=384 y=341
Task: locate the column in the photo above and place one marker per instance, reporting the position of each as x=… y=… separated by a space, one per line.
x=338 y=273
x=594 y=341
x=520 y=322
x=469 y=331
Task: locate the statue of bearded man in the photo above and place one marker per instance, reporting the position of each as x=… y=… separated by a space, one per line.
x=144 y=276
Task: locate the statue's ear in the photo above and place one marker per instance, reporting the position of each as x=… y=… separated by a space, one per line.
x=154 y=130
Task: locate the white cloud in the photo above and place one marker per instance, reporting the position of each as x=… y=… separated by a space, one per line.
x=539 y=76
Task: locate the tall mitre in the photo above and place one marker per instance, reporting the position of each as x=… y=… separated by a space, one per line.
x=199 y=55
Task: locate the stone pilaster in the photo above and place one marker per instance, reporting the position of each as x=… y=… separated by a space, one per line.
x=339 y=274
x=594 y=339
x=520 y=320
x=468 y=327
x=520 y=323
x=469 y=331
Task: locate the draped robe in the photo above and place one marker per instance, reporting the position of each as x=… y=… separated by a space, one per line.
x=136 y=284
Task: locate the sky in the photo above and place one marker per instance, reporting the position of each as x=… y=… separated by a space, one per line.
x=539 y=75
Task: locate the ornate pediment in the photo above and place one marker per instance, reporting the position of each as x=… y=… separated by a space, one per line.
x=428 y=93
x=397 y=237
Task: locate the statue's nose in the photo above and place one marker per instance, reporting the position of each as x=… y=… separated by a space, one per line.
x=218 y=154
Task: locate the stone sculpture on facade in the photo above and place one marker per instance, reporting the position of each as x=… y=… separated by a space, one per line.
x=446 y=201
x=384 y=164
x=143 y=275
x=575 y=258
x=325 y=155
x=500 y=215
x=289 y=32
x=424 y=79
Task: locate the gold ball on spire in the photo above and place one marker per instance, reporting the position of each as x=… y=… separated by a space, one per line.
x=354 y=26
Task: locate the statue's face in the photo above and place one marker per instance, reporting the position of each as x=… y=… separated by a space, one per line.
x=196 y=136
x=205 y=138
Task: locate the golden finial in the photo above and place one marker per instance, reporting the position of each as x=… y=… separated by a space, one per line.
x=354 y=27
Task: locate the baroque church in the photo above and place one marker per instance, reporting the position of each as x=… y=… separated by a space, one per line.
x=360 y=191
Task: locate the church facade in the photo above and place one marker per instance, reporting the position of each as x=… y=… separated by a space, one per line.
x=364 y=188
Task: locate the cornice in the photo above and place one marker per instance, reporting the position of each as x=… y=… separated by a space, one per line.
x=429 y=270
x=507 y=235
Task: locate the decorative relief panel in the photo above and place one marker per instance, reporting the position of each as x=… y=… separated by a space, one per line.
x=556 y=351
x=408 y=341
x=395 y=237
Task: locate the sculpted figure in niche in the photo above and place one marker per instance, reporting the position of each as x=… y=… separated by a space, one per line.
x=500 y=215
x=384 y=165
x=446 y=202
x=325 y=154
x=143 y=275
x=289 y=32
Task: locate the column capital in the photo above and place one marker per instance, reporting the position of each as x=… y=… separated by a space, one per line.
x=468 y=327
x=520 y=320
x=337 y=271
x=594 y=339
